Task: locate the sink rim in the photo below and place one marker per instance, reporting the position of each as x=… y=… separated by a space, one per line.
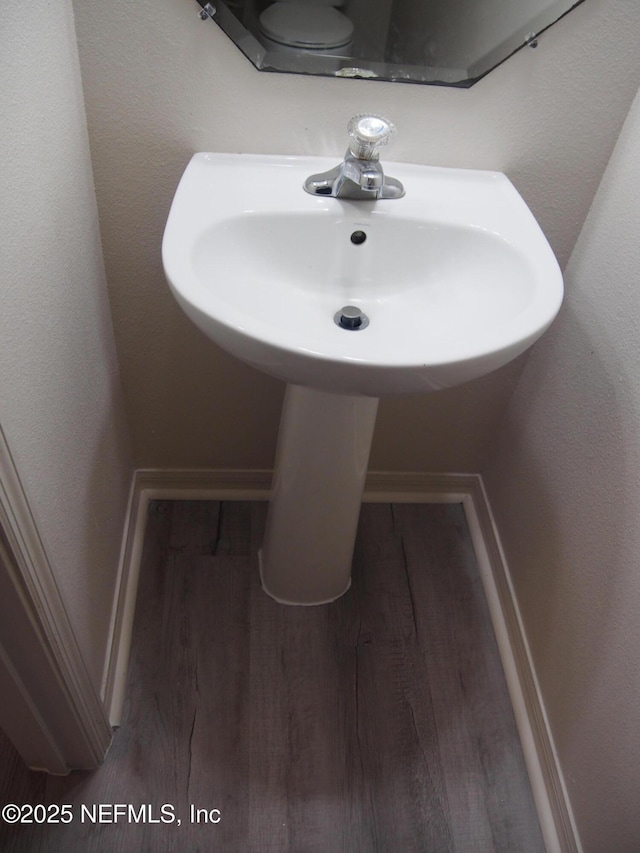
x=242 y=178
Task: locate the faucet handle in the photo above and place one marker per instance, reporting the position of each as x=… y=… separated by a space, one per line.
x=368 y=133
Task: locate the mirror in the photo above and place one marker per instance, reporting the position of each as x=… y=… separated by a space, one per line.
x=442 y=42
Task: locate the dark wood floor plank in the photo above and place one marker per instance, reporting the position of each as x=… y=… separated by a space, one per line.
x=298 y=780
x=377 y=724
x=195 y=526
x=218 y=592
x=234 y=531
x=441 y=620
x=398 y=737
x=484 y=766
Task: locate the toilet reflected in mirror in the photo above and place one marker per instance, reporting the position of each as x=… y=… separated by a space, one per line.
x=306 y=25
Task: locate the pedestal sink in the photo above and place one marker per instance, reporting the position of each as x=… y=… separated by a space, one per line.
x=451 y=281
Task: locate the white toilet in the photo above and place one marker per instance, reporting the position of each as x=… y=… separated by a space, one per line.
x=308 y=25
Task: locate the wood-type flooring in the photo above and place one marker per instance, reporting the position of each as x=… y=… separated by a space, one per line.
x=378 y=724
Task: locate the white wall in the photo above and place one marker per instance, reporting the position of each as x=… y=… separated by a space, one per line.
x=564 y=481
x=160 y=84
x=60 y=401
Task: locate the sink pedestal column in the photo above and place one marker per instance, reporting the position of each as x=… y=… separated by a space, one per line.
x=321 y=464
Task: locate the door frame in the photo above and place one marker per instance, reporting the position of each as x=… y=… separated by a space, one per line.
x=51 y=711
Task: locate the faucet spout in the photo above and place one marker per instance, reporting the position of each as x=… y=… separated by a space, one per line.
x=371 y=179
x=356 y=178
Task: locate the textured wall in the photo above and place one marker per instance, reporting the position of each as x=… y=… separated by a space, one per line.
x=564 y=481
x=160 y=84
x=60 y=401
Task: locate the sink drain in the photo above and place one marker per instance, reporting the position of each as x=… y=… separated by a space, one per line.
x=351 y=317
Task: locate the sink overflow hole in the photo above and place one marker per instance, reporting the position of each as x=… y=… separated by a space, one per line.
x=351 y=317
x=358 y=237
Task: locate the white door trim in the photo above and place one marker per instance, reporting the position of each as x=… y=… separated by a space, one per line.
x=63 y=725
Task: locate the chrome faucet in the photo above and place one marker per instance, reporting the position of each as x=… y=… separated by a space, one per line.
x=360 y=175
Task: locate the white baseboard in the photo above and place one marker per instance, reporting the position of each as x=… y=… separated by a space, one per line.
x=547 y=784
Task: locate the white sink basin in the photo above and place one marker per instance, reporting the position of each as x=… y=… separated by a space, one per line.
x=456 y=278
